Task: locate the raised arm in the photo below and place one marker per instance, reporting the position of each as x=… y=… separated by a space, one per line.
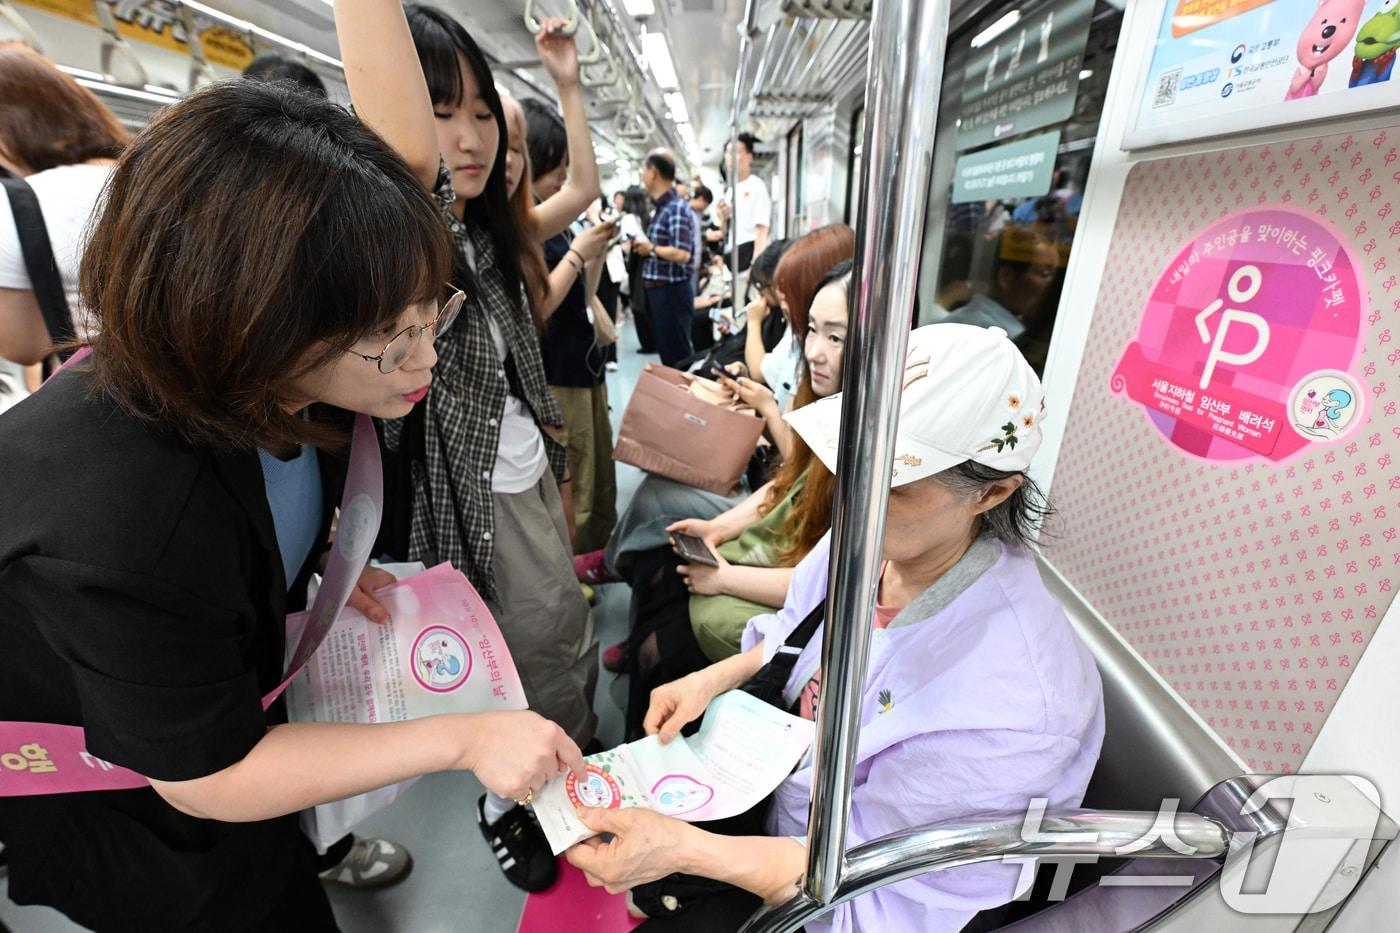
x=559 y=56
x=386 y=81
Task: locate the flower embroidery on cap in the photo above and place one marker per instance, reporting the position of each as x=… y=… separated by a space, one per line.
x=909 y=460
x=1028 y=420
x=1013 y=402
x=1006 y=442
x=886 y=700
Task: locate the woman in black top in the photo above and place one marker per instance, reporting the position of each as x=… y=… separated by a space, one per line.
x=238 y=277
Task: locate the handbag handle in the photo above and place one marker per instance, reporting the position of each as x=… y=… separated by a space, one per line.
x=39 y=260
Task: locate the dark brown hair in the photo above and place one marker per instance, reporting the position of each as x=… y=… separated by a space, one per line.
x=47 y=119
x=252 y=233
x=806 y=260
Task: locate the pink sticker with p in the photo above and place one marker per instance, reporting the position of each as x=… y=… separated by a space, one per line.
x=1246 y=347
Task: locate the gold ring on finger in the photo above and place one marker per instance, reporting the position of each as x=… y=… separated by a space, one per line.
x=529 y=796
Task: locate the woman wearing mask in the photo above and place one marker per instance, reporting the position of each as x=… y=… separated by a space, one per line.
x=144 y=601
x=60 y=139
x=485 y=464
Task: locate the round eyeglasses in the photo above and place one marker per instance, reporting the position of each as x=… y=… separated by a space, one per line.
x=398 y=349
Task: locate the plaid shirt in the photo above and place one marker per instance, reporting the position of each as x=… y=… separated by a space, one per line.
x=673 y=225
x=453 y=516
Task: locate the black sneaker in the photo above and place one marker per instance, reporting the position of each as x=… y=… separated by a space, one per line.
x=520 y=847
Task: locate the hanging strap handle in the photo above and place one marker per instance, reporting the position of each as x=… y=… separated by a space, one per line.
x=39 y=261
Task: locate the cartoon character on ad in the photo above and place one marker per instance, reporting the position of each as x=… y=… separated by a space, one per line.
x=1331 y=29
x=1324 y=405
x=442 y=662
x=1376 y=42
x=678 y=794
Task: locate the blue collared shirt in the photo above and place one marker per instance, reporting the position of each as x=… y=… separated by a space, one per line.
x=673 y=225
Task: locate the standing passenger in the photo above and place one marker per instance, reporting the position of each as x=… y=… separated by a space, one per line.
x=573 y=361
x=59 y=138
x=148 y=555
x=748 y=212
x=668 y=247
x=485 y=463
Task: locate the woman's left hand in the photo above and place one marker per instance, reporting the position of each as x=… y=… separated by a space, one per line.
x=701 y=580
x=756 y=395
x=362 y=596
x=558 y=53
x=645 y=846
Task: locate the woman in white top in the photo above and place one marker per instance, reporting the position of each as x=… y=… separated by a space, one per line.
x=58 y=137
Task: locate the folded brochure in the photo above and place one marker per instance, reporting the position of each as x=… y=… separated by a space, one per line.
x=744 y=749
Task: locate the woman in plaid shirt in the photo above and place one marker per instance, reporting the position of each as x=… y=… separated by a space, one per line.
x=485 y=466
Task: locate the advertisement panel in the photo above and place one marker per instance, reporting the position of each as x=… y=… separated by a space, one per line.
x=1224 y=66
x=1228 y=490
x=157 y=22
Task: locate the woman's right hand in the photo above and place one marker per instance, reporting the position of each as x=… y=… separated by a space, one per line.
x=680 y=702
x=593 y=242
x=758 y=311
x=710 y=531
x=517 y=752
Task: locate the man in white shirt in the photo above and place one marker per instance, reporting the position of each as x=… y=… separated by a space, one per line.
x=748 y=211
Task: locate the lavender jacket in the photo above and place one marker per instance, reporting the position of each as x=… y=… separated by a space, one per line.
x=979 y=696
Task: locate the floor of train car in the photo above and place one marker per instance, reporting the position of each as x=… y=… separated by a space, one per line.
x=436 y=818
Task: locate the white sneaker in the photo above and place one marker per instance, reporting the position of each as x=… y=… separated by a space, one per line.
x=371 y=863
x=610 y=366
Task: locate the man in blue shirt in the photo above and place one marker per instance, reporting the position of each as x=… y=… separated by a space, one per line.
x=668 y=248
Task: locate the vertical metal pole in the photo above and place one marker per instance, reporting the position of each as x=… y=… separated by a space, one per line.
x=907 y=47
x=731 y=168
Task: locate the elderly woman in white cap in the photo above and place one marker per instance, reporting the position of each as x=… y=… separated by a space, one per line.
x=979 y=696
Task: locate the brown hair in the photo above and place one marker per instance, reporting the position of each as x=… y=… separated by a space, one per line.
x=810 y=517
x=532 y=264
x=806 y=261
x=252 y=234
x=47 y=119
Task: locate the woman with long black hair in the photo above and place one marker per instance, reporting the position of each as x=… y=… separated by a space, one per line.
x=485 y=464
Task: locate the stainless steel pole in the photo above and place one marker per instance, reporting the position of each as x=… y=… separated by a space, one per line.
x=907 y=46
x=731 y=167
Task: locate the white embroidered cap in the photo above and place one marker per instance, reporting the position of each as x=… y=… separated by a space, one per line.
x=969 y=394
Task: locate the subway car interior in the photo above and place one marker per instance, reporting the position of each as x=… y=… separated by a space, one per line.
x=1111 y=284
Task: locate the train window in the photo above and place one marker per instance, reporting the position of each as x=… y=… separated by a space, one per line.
x=1022 y=97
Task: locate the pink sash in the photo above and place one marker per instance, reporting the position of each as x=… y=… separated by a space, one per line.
x=46 y=758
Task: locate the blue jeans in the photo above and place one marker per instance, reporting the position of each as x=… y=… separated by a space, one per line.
x=671 y=305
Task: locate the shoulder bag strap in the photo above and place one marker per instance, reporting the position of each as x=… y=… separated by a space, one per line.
x=768 y=684
x=39 y=261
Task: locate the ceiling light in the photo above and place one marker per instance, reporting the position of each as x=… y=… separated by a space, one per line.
x=240 y=25
x=658 y=54
x=675 y=100
x=639 y=7
x=120 y=91
x=996 y=29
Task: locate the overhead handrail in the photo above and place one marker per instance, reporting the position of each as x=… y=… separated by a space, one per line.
x=829 y=9
x=26 y=32
x=596 y=49
x=634 y=122
x=115 y=46
x=201 y=73
x=986 y=837
x=570 y=27
x=609 y=76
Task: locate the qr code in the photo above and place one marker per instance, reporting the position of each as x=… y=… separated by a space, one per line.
x=1166 y=88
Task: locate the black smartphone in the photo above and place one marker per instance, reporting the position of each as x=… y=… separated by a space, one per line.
x=694 y=550
x=718 y=371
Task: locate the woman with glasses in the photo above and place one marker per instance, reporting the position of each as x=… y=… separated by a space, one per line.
x=483 y=463
x=166 y=499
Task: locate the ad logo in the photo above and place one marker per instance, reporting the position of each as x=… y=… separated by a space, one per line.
x=441 y=661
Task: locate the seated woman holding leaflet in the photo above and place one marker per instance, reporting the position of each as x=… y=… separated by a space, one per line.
x=978 y=696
